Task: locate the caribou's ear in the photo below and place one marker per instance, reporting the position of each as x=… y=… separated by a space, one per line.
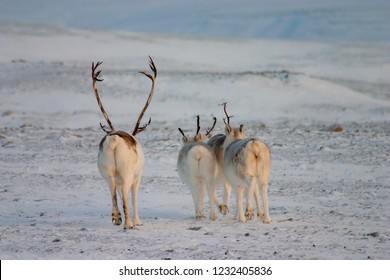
x=241 y=128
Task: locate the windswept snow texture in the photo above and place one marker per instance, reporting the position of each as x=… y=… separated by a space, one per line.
x=323 y=107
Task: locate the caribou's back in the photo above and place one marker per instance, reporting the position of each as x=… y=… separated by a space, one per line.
x=196 y=161
x=120 y=154
x=247 y=158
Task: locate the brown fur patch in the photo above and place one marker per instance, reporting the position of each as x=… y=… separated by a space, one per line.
x=102 y=142
x=129 y=140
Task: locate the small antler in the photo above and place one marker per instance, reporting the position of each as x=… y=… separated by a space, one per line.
x=227 y=116
x=138 y=128
x=95 y=78
x=208 y=131
x=182 y=133
x=197 y=125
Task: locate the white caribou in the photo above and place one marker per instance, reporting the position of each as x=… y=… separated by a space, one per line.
x=246 y=164
x=121 y=158
x=196 y=165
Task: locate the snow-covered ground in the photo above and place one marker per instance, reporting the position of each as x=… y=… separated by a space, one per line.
x=329 y=190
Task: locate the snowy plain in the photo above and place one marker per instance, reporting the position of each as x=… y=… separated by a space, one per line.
x=322 y=106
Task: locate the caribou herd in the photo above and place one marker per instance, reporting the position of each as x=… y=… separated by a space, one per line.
x=204 y=162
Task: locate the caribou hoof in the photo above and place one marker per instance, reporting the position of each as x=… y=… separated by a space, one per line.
x=249 y=214
x=138 y=223
x=261 y=217
x=213 y=217
x=224 y=209
x=117 y=221
x=131 y=226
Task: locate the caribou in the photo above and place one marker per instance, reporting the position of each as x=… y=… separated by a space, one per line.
x=120 y=157
x=197 y=168
x=246 y=164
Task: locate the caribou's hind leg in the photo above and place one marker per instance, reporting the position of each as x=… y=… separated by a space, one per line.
x=134 y=196
x=116 y=214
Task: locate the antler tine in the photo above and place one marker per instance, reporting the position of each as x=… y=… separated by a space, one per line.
x=152 y=66
x=197 y=125
x=208 y=131
x=227 y=116
x=103 y=127
x=95 y=78
x=96 y=75
x=142 y=128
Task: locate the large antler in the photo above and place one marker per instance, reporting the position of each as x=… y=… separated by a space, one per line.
x=137 y=128
x=95 y=78
x=208 y=131
x=227 y=116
